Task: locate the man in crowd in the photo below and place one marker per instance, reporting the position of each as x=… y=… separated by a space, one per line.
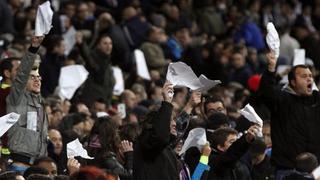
x=27 y=137
x=294 y=116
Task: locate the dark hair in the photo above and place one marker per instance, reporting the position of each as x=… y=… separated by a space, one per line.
x=6 y=64
x=101 y=37
x=258 y=146
x=216 y=120
x=212 y=99
x=35 y=170
x=9 y=175
x=43 y=159
x=53 y=41
x=219 y=136
x=306 y=162
x=292 y=72
x=130 y=132
x=107 y=131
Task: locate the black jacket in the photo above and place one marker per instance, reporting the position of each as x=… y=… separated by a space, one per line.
x=154 y=159
x=226 y=165
x=295 y=122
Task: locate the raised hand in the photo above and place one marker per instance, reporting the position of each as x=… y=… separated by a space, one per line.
x=272 y=61
x=252 y=133
x=167 y=92
x=126 y=146
x=194 y=100
x=73 y=165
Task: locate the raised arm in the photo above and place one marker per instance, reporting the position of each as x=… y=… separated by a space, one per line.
x=184 y=117
x=268 y=86
x=158 y=136
x=19 y=84
x=85 y=53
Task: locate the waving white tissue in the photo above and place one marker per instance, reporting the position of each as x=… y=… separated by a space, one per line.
x=43 y=19
x=249 y=113
x=75 y=148
x=272 y=39
x=196 y=138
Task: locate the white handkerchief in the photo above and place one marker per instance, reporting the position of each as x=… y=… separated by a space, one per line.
x=7 y=121
x=118 y=76
x=207 y=83
x=299 y=57
x=142 y=68
x=181 y=75
x=249 y=113
x=196 y=138
x=69 y=39
x=71 y=78
x=75 y=148
x=272 y=39
x=43 y=19
x=316 y=173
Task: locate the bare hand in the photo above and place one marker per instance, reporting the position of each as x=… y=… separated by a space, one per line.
x=73 y=165
x=252 y=133
x=272 y=61
x=167 y=92
x=195 y=98
x=126 y=146
x=36 y=41
x=206 y=150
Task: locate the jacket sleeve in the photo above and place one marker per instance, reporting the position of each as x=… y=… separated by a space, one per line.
x=268 y=90
x=19 y=84
x=199 y=172
x=158 y=137
x=112 y=165
x=86 y=55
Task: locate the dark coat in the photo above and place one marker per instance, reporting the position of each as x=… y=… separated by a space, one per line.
x=154 y=159
x=295 y=122
x=100 y=81
x=226 y=165
x=50 y=72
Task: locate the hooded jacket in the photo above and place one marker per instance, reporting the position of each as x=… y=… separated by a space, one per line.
x=295 y=121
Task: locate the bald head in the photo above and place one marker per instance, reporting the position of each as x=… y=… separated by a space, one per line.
x=129 y=98
x=56 y=139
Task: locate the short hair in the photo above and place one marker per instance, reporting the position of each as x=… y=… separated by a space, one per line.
x=216 y=120
x=306 y=162
x=43 y=159
x=219 y=136
x=212 y=99
x=258 y=147
x=6 y=64
x=292 y=72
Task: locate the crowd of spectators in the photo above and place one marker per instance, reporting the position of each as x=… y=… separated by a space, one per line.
x=222 y=39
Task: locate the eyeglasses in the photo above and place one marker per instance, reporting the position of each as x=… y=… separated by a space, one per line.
x=34 y=77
